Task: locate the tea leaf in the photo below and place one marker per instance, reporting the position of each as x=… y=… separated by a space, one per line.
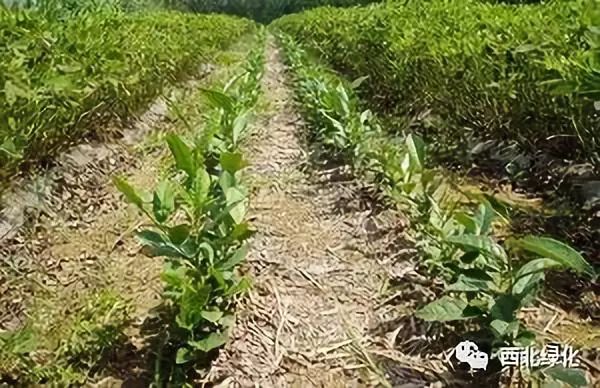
x=184 y=355
x=573 y=377
x=218 y=99
x=531 y=273
x=234 y=259
x=416 y=150
x=446 y=308
x=239 y=125
x=505 y=307
x=182 y=153
x=467 y=283
x=232 y=162
x=212 y=316
x=212 y=341
x=470 y=242
x=179 y=234
x=130 y=194
x=236 y=198
x=201 y=187
x=357 y=82
x=485 y=216
x=555 y=250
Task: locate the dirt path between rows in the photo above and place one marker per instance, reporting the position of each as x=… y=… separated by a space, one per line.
x=315 y=264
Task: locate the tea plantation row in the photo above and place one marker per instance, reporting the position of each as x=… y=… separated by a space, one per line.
x=59 y=79
x=478 y=70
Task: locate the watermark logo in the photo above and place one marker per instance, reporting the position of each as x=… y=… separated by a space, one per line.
x=468 y=352
x=529 y=357
x=516 y=356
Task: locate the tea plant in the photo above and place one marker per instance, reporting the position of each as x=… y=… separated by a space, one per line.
x=61 y=79
x=486 y=281
x=476 y=70
x=265 y=11
x=199 y=226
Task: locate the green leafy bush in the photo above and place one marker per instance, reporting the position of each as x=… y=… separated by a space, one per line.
x=199 y=226
x=266 y=10
x=478 y=70
x=58 y=79
x=486 y=281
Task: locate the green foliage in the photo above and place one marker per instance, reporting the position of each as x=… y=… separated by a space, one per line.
x=66 y=8
x=61 y=78
x=199 y=227
x=265 y=11
x=69 y=353
x=486 y=281
x=475 y=70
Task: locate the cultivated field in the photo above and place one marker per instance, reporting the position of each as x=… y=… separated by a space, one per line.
x=285 y=193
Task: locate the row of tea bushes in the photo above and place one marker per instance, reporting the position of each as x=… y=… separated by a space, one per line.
x=479 y=70
x=58 y=79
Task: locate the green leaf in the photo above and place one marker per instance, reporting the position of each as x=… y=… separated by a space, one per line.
x=561 y=87
x=531 y=273
x=178 y=234
x=476 y=273
x=467 y=221
x=227 y=321
x=525 y=338
x=12 y=91
x=241 y=232
x=238 y=127
x=505 y=307
x=212 y=316
x=184 y=159
x=218 y=99
x=232 y=162
x=526 y=47
x=500 y=208
x=466 y=284
x=237 y=199
x=184 y=355
x=573 y=377
x=160 y=245
x=20 y=341
x=9 y=147
x=469 y=257
x=552 y=249
x=416 y=150
x=163 y=202
x=471 y=242
x=484 y=218
x=192 y=303
x=503 y=328
x=131 y=195
x=227 y=180
x=201 y=187
x=209 y=252
x=60 y=83
x=174 y=277
x=232 y=82
x=446 y=308
x=242 y=286
x=357 y=82
x=236 y=258
x=212 y=341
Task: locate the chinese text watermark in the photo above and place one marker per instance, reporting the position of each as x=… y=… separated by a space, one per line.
x=521 y=357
